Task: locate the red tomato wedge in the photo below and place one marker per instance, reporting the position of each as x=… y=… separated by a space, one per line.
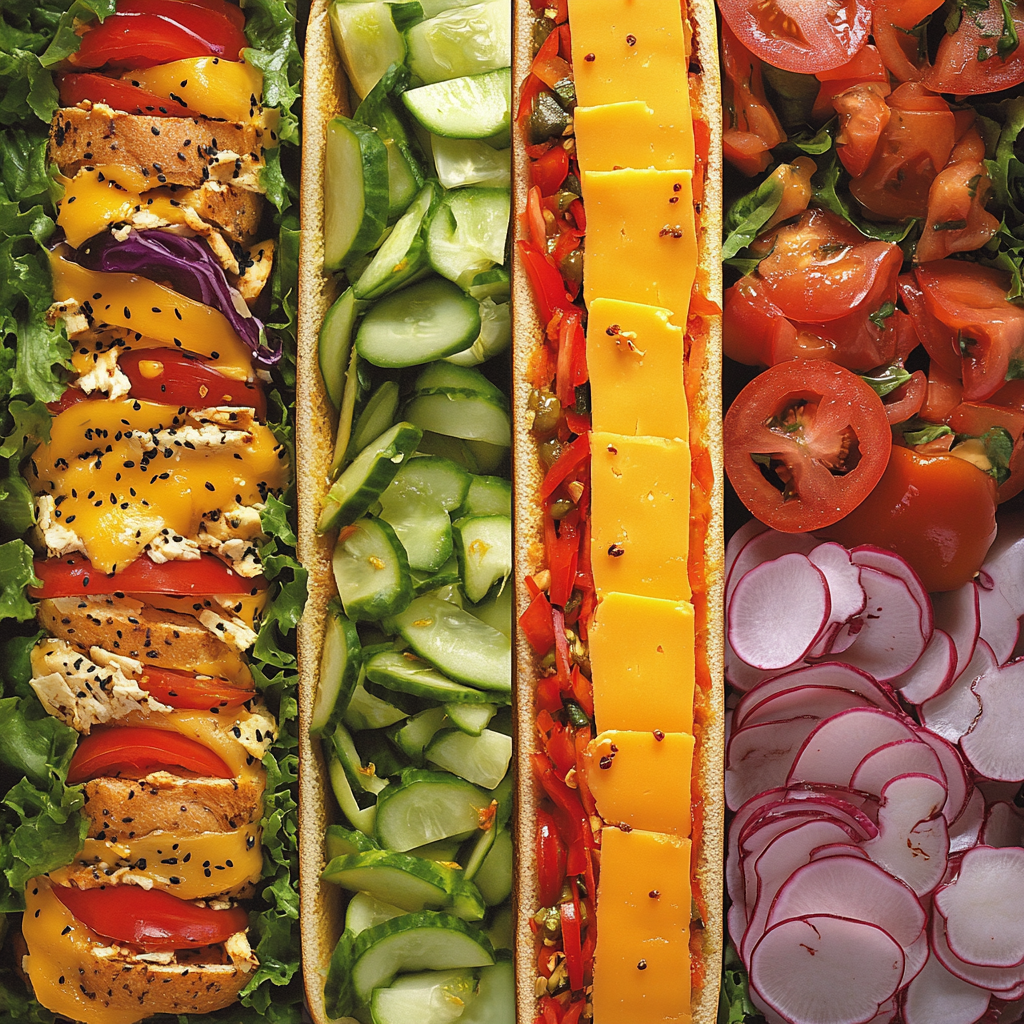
x=174 y=378
x=184 y=691
x=800 y=35
x=897 y=46
x=805 y=442
x=135 y=751
x=984 y=54
x=117 y=94
x=150 y=919
x=74 y=575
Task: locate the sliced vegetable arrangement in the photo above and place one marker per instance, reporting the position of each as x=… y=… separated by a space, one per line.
x=414 y=694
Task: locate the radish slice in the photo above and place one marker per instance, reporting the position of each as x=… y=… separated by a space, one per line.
x=891 y=563
x=957 y=613
x=1004 y=825
x=934 y=672
x=838 y=850
x=825 y=970
x=983 y=909
x=892 y=636
x=904 y=757
x=739 y=540
x=844 y=588
x=965 y=830
x=886 y=1012
x=953 y=768
x=822 y=701
x=994 y=744
x=913 y=839
x=777 y=610
x=742 y=676
x=845 y=806
x=951 y=714
x=765 y=546
x=1002 y=981
x=936 y=995
x=832 y=751
x=1001 y=596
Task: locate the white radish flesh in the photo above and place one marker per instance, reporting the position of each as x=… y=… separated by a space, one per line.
x=822 y=701
x=952 y=713
x=936 y=995
x=1001 y=981
x=1001 y=595
x=765 y=546
x=965 y=829
x=889 y=562
x=957 y=612
x=739 y=540
x=845 y=591
x=994 y=744
x=953 y=768
x=934 y=672
x=904 y=757
x=740 y=675
x=1004 y=825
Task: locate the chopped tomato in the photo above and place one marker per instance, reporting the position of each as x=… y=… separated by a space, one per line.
x=863 y=116
x=800 y=35
x=984 y=54
x=135 y=751
x=897 y=45
x=183 y=690
x=74 y=575
x=944 y=394
x=937 y=512
x=546 y=282
x=795 y=179
x=175 y=378
x=550 y=855
x=906 y=401
x=150 y=919
x=865 y=67
x=754 y=331
x=117 y=94
x=938 y=340
x=957 y=220
x=805 y=442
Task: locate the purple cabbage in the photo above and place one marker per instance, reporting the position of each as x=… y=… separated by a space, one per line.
x=188 y=266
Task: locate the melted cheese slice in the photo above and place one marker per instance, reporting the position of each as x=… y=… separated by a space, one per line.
x=642 y=962
x=628 y=134
x=641 y=238
x=117 y=492
x=635 y=359
x=207 y=85
x=626 y=50
x=642 y=781
x=640 y=516
x=642 y=645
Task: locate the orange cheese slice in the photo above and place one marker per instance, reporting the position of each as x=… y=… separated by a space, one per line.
x=627 y=134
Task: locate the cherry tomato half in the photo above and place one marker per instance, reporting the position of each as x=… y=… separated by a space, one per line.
x=118 y=95
x=150 y=919
x=805 y=442
x=970 y=61
x=184 y=691
x=135 y=751
x=938 y=512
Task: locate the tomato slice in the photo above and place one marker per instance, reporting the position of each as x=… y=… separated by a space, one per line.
x=117 y=94
x=984 y=54
x=807 y=36
x=74 y=575
x=150 y=919
x=805 y=442
x=897 y=46
x=175 y=378
x=184 y=691
x=135 y=751
x=906 y=401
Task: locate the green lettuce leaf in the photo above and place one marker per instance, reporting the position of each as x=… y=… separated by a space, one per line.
x=748 y=215
x=15 y=575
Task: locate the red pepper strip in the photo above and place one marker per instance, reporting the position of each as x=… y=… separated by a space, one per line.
x=563 y=552
x=583 y=690
x=580 y=741
x=579 y=423
x=550 y=1011
x=534 y=217
x=572 y=1015
x=550 y=170
x=564 y=42
x=548 y=287
x=572 y=940
x=549 y=693
x=532 y=88
x=550 y=854
x=562 y=662
x=566 y=344
x=579 y=215
x=579 y=374
x=561 y=749
x=573 y=456
x=577 y=824
x=545 y=723
x=536 y=624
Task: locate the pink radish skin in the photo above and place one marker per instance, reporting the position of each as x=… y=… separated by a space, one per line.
x=936 y=995
x=778 y=802
x=994 y=744
x=845 y=591
x=839 y=850
x=742 y=676
x=958 y=613
x=1004 y=826
x=904 y=757
x=823 y=701
x=765 y=546
x=739 y=540
x=1001 y=597
x=889 y=562
x=934 y=672
x=777 y=610
x=951 y=714
x=1000 y=981
x=825 y=970
x=954 y=770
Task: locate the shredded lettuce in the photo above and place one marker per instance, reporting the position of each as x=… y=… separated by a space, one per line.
x=734 y=1005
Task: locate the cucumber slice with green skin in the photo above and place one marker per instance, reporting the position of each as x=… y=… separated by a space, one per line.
x=416 y=942
x=492 y=284
x=467 y=235
x=375 y=749
x=360 y=776
x=340 y=840
x=472 y=719
x=355 y=191
x=335 y=344
x=488 y=496
x=482 y=847
x=424 y=806
x=410 y=675
x=446 y=576
x=475 y=107
x=339 y=995
x=377 y=416
x=457 y=643
x=494 y=338
x=355 y=491
x=482 y=760
x=409 y=704
x=484 y=547
x=363 y=911
x=412 y=883
x=461 y=413
x=367 y=40
x=339 y=672
x=416 y=732
x=361 y=817
x=343 y=434
x=491 y=458
x=461 y=41
x=371 y=571
x=445 y=850
x=496 y=610
x=444 y=376
x=453 y=448
x=501 y=932
x=496 y=1000
x=503 y=795
x=462 y=162
x=426 y=321
x=365 y=711
x=494 y=879
x=435 y=997
x=403 y=254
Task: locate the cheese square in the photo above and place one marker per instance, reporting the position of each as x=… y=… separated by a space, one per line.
x=642 y=962
x=641 y=779
x=635 y=359
x=628 y=134
x=640 y=516
x=643 y=646
x=641 y=238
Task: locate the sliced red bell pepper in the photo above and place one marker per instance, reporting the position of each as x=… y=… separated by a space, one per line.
x=550 y=859
x=536 y=624
x=583 y=690
x=572 y=940
x=563 y=552
x=573 y=456
x=548 y=287
x=549 y=693
x=561 y=749
x=549 y=171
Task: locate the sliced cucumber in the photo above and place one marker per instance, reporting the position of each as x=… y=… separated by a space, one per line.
x=484 y=547
x=434 y=997
x=496 y=610
x=426 y=321
x=403 y=254
x=339 y=671
x=480 y=848
x=501 y=932
x=461 y=413
x=443 y=376
x=468 y=233
x=462 y=162
x=335 y=344
x=339 y=995
x=409 y=704
x=374 y=748
x=367 y=40
x=496 y=1001
x=446 y=850
x=494 y=879
x=376 y=417
x=363 y=911
x=482 y=760
x=355 y=190
x=416 y=732
x=453 y=448
x=472 y=719
x=492 y=284
x=494 y=338
x=424 y=806
x=405 y=673
x=360 y=815
x=362 y=777
x=368 y=712
x=457 y=643
x=461 y=41
x=360 y=485
x=371 y=571
x=489 y=457
x=488 y=496
x=476 y=107
x=340 y=840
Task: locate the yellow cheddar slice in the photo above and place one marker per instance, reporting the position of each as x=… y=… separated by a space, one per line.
x=642 y=647
x=635 y=50
x=627 y=134
x=642 y=964
x=642 y=779
x=635 y=359
x=640 y=515
x=641 y=238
